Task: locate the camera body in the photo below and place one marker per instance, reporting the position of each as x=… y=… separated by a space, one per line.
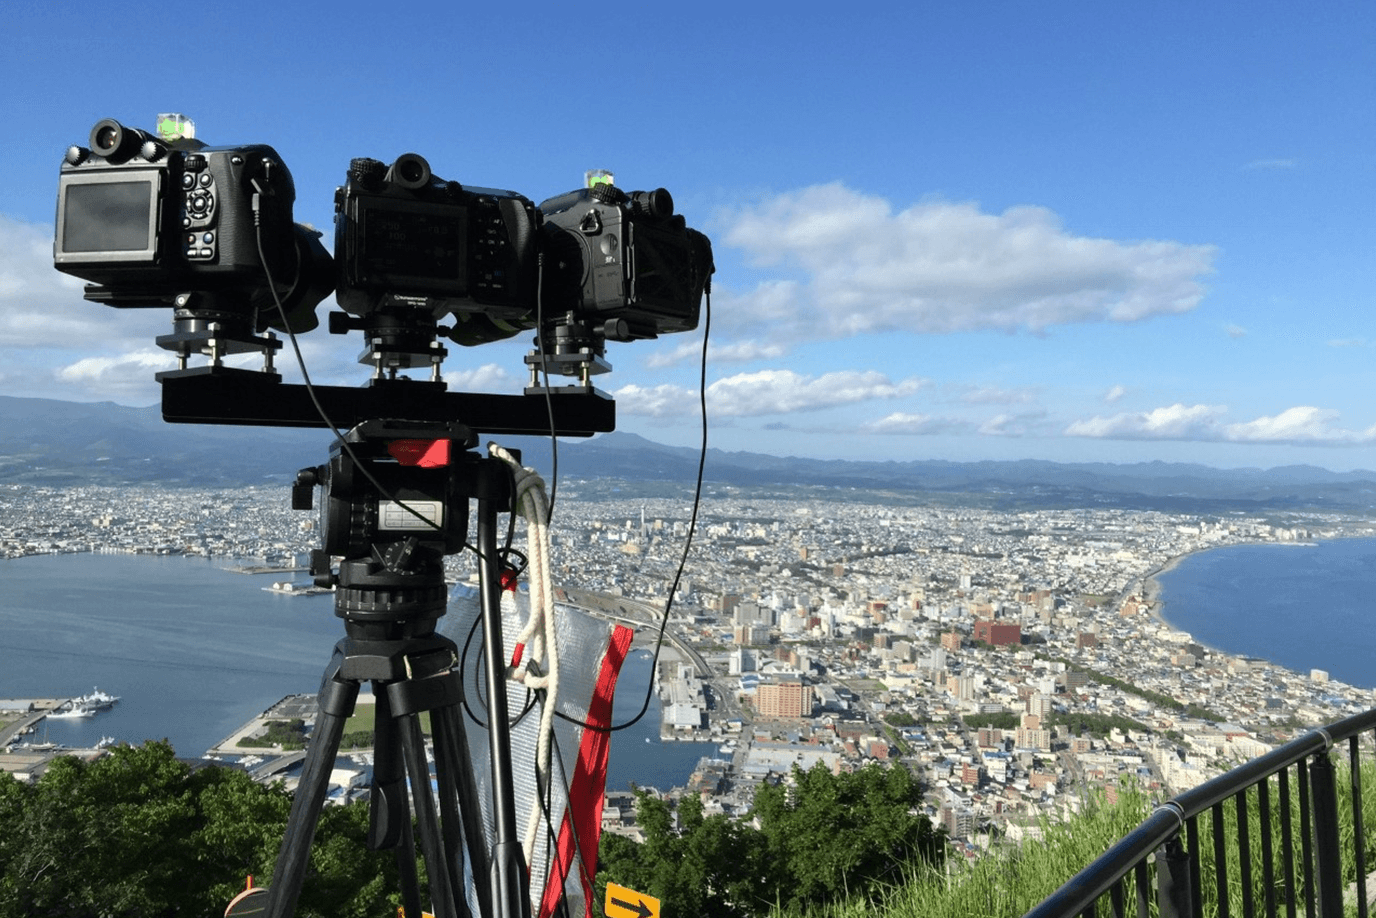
x=406 y=239
x=155 y=221
x=617 y=256
x=148 y=220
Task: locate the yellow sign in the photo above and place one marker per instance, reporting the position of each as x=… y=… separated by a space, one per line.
x=627 y=903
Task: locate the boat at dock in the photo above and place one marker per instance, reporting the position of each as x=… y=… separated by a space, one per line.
x=86 y=705
x=97 y=699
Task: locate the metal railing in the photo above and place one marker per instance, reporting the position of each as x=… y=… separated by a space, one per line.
x=1178 y=866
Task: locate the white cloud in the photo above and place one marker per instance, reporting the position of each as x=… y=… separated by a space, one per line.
x=1235 y=331
x=943 y=267
x=1177 y=422
x=1114 y=394
x=765 y=392
x=488 y=377
x=662 y=401
x=40 y=306
x=778 y=391
x=739 y=352
x=55 y=344
x=126 y=376
x=917 y=424
x=1015 y=425
x=1303 y=425
x=1298 y=425
x=995 y=395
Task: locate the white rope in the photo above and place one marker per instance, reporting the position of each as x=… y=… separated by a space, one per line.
x=538 y=666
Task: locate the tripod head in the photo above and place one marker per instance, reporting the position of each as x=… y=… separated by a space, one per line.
x=395 y=502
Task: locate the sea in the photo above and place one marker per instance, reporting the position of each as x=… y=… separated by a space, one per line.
x=195 y=649
x=1304 y=606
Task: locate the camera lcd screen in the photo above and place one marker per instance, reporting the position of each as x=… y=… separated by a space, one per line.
x=423 y=245
x=107 y=218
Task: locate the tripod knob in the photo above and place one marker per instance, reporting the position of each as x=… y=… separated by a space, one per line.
x=303 y=490
x=320 y=569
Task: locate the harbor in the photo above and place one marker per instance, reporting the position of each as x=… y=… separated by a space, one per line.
x=25 y=751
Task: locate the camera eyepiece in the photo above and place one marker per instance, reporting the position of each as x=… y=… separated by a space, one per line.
x=115 y=142
x=658 y=204
x=410 y=171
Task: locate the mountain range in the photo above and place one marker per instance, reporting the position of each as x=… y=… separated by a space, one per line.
x=57 y=443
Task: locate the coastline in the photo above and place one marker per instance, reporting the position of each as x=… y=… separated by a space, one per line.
x=1282 y=657
x=1151 y=583
x=1151 y=587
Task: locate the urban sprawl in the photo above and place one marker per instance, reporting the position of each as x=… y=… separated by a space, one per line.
x=1014 y=661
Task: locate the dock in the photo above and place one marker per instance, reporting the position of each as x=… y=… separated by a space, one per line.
x=17 y=718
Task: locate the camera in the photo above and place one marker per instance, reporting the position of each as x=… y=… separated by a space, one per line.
x=624 y=257
x=165 y=220
x=148 y=221
x=409 y=242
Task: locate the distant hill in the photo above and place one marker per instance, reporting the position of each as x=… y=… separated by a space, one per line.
x=49 y=442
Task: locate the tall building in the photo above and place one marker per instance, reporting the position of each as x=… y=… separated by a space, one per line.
x=784 y=699
x=995 y=634
x=963 y=687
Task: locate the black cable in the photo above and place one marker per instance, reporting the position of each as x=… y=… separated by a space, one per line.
x=687 y=542
x=306 y=377
x=551 y=837
x=542 y=351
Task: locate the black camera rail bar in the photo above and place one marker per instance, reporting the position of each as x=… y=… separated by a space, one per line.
x=226 y=395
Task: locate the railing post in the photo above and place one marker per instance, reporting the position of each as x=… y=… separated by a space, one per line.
x=1327 y=853
x=1173 y=881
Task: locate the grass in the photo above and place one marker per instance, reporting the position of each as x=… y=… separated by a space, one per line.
x=358 y=729
x=1011 y=879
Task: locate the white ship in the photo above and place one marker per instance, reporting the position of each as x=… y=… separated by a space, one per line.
x=87 y=705
x=97 y=699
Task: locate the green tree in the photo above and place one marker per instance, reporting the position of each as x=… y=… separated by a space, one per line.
x=708 y=865
x=139 y=833
x=832 y=837
x=104 y=837
x=824 y=839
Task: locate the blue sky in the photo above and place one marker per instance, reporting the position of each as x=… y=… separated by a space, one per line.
x=1070 y=231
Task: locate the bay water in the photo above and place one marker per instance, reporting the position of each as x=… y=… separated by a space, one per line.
x=1301 y=606
x=194 y=650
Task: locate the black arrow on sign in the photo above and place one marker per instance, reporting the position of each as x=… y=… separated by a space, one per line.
x=640 y=909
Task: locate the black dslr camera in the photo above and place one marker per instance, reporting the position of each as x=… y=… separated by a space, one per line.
x=416 y=247
x=624 y=257
x=157 y=223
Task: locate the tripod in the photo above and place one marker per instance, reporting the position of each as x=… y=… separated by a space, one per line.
x=390 y=598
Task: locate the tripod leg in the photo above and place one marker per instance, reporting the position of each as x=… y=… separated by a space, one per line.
x=443 y=896
x=337 y=697
x=390 y=811
x=459 y=799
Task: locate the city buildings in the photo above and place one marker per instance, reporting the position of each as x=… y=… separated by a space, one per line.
x=1010 y=659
